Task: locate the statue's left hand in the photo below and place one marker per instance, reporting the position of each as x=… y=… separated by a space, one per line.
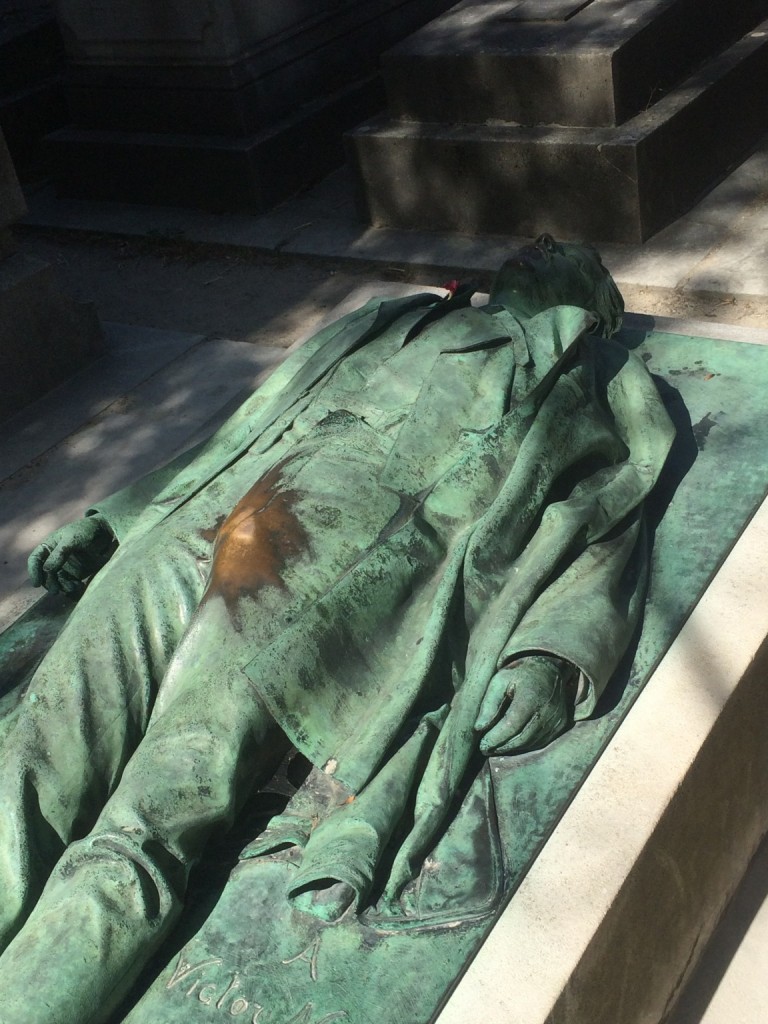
x=527 y=704
x=71 y=555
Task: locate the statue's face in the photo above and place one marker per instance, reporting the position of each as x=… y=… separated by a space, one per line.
x=548 y=273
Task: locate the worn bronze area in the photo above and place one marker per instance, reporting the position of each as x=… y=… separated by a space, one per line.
x=256 y=541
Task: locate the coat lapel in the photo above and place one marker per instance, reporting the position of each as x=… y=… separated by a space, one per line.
x=243 y=431
x=488 y=363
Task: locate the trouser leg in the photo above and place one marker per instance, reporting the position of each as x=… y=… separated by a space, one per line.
x=84 y=713
x=115 y=894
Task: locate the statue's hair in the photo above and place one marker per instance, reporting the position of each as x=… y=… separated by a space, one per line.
x=609 y=302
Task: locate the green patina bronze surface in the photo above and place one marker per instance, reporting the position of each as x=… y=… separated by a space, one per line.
x=371 y=972
x=358 y=556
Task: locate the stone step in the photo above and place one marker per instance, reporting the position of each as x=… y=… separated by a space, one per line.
x=320 y=51
x=608 y=184
x=251 y=172
x=557 y=61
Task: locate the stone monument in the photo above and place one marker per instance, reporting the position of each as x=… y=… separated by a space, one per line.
x=266 y=937
x=44 y=336
x=232 y=104
x=594 y=119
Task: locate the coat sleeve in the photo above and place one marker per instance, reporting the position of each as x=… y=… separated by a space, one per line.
x=124 y=509
x=589 y=613
x=590 y=608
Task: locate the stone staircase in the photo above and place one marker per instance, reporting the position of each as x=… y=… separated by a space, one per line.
x=233 y=105
x=604 y=119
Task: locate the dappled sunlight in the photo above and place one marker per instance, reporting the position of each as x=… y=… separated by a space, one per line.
x=132 y=436
x=740 y=263
x=669 y=770
x=304 y=312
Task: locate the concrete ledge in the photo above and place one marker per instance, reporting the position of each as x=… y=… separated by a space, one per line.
x=611 y=918
x=594 y=63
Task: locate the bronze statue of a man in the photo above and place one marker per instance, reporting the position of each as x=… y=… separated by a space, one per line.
x=421 y=537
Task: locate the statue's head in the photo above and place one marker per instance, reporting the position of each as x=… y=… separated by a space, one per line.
x=549 y=273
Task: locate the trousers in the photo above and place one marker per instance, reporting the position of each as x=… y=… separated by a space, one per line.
x=106 y=806
x=140 y=735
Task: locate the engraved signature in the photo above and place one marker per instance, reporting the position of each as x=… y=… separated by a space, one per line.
x=226 y=997
x=307 y=956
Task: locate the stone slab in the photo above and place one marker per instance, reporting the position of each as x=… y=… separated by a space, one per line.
x=741 y=259
x=595 y=856
x=588 y=64
x=131 y=356
x=619 y=185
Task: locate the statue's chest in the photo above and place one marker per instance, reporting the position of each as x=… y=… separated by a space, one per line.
x=381 y=382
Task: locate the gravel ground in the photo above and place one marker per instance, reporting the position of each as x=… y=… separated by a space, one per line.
x=239 y=294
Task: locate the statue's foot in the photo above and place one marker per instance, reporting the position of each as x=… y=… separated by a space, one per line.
x=329 y=903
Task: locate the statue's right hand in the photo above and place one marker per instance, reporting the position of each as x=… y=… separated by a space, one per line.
x=71 y=555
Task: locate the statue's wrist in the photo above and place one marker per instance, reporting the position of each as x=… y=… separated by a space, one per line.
x=103 y=525
x=569 y=675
